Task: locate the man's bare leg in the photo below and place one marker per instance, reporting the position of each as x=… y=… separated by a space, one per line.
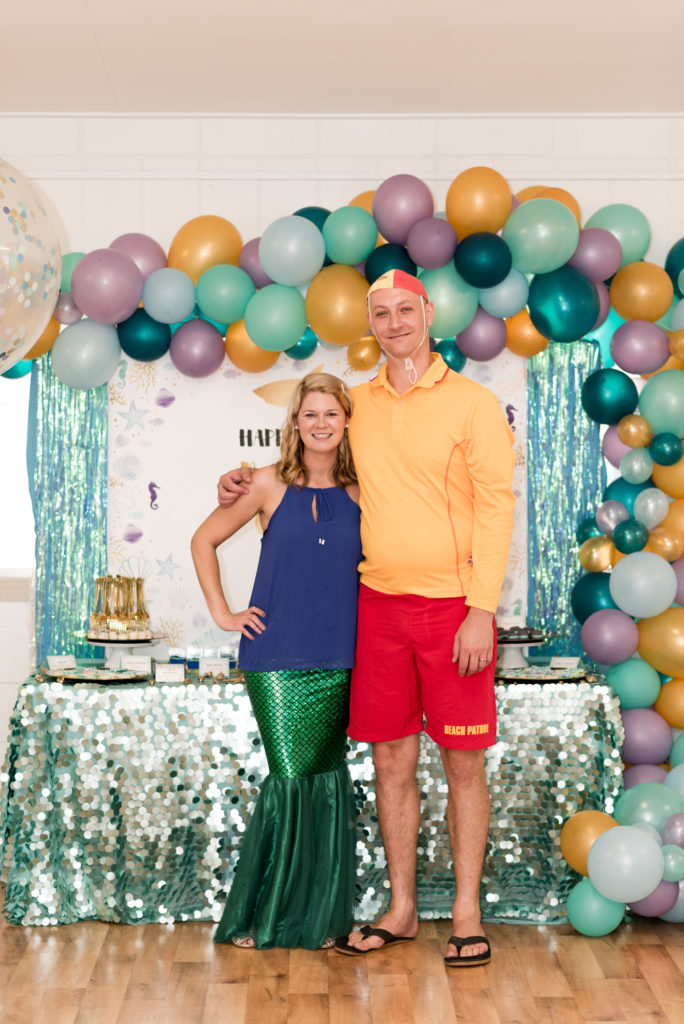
x=468 y=820
x=399 y=819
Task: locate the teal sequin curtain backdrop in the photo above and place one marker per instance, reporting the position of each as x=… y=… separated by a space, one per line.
x=565 y=479
x=67 y=470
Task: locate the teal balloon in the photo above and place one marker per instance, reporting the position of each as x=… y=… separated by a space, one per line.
x=635 y=682
x=275 y=318
x=350 y=234
x=542 y=235
x=636 y=465
x=483 y=259
x=143 y=338
x=506 y=298
x=665 y=449
x=591 y=594
x=451 y=354
x=590 y=913
x=649 y=802
x=661 y=402
x=586 y=529
x=86 y=354
x=674 y=265
x=674 y=863
x=621 y=490
x=628 y=225
x=677 y=753
x=603 y=335
x=388 y=257
x=223 y=292
x=454 y=300
x=20 y=369
x=316 y=214
x=629 y=536
x=69 y=261
x=563 y=304
x=608 y=395
x=305 y=347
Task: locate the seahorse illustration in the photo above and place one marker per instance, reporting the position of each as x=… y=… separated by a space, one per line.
x=510 y=410
x=153 y=489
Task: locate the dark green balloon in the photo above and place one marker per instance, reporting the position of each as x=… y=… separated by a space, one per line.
x=303 y=348
x=19 y=369
x=586 y=529
x=388 y=257
x=316 y=214
x=608 y=395
x=483 y=259
x=143 y=338
x=563 y=304
x=629 y=536
x=451 y=354
x=674 y=264
x=621 y=490
x=591 y=594
x=665 y=449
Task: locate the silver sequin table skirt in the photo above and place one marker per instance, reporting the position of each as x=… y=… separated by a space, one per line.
x=127 y=803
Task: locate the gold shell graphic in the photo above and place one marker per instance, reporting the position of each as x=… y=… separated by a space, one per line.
x=278 y=391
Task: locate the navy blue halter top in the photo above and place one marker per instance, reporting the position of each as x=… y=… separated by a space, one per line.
x=307 y=584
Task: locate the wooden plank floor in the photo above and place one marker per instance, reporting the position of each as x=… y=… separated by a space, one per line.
x=95 y=973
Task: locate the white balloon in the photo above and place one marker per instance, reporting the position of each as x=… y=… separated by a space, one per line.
x=643 y=584
x=625 y=864
x=650 y=507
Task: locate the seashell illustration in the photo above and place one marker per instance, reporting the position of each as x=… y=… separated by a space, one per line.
x=121 y=501
x=136 y=567
x=132 y=533
x=128 y=466
x=165 y=398
x=178 y=597
x=278 y=391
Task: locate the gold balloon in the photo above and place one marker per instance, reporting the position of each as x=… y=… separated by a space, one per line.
x=673 y=363
x=336 y=304
x=531 y=192
x=670 y=478
x=45 y=341
x=365 y=201
x=674 y=519
x=364 y=353
x=661 y=641
x=522 y=337
x=677 y=343
x=666 y=542
x=204 y=242
x=641 y=291
x=634 y=431
x=243 y=353
x=578 y=835
x=670 y=703
x=478 y=199
x=596 y=554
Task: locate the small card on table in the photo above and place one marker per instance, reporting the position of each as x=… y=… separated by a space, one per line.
x=214 y=667
x=137 y=663
x=60 y=662
x=169 y=672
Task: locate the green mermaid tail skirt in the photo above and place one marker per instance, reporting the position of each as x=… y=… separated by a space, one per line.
x=294 y=881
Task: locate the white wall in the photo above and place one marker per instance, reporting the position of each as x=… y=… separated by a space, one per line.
x=106 y=175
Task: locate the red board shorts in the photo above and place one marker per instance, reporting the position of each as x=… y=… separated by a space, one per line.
x=403 y=674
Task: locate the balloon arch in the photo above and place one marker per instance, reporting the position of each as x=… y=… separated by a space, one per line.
x=503 y=271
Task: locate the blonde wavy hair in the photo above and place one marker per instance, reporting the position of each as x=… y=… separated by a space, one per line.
x=291 y=466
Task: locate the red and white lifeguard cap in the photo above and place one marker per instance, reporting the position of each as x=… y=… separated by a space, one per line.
x=397 y=279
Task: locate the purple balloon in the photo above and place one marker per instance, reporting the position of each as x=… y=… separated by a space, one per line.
x=197 y=348
x=639 y=346
x=147 y=254
x=638 y=773
x=648 y=737
x=399 y=203
x=66 y=310
x=660 y=901
x=598 y=254
x=609 y=636
x=107 y=286
x=678 y=567
x=609 y=514
x=483 y=338
x=672 y=832
x=613 y=448
x=249 y=261
x=604 y=304
x=431 y=243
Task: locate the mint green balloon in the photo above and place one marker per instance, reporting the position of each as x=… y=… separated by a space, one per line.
x=674 y=863
x=636 y=466
x=350 y=234
x=676 y=757
x=542 y=235
x=69 y=261
x=650 y=802
x=635 y=682
x=223 y=292
x=454 y=300
x=661 y=402
x=590 y=913
x=275 y=318
x=629 y=226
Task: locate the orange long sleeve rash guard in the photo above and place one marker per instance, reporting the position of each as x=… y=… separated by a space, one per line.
x=435 y=468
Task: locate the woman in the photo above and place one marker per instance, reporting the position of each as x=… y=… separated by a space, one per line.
x=294 y=881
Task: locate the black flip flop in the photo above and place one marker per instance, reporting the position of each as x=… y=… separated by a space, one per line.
x=342 y=945
x=475 y=959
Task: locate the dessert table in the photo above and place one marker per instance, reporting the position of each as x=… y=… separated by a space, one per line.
x=127 y=802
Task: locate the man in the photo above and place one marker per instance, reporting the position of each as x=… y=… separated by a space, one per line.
x=433 y=453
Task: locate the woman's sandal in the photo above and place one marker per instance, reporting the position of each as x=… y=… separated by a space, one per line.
x=243 y=941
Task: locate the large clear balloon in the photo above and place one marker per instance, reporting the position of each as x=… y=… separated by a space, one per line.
x=292 y=250
x=630 y=227
x=643 y=584
x=107 y=286
x=398 y=204
x=86 y=354
x=30 y=266
x=592 y=914
x=563 y=304
x=454 y=300
x=542 y=235
x=625 y=864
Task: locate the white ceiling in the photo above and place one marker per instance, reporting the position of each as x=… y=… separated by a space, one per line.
x=353 y=56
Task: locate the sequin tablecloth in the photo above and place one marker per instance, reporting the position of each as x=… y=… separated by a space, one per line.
x=127 y=803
